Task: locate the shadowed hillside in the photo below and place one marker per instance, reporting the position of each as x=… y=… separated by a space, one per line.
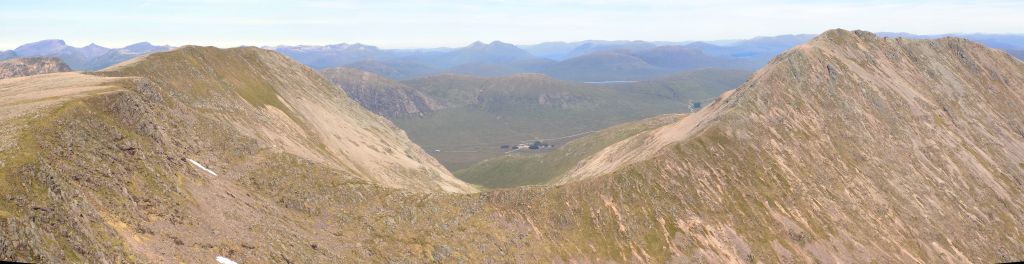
x=381 y=95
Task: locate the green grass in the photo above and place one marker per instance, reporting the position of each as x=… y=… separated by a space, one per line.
x=484 y=113
x=533 y=169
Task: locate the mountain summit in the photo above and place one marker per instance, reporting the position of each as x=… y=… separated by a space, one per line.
x=879 y=149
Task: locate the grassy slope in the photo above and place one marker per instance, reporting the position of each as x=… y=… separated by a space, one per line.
x=519 y=169
x=293 y=108
x=794 y=169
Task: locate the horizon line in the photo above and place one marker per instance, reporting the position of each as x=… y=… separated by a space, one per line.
x=8 y=47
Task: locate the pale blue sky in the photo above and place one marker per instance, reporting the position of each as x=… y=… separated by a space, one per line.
x=422 y=23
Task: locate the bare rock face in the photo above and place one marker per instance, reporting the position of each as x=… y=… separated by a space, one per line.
x=31 y=66
x=381 y=95
x=851 y=148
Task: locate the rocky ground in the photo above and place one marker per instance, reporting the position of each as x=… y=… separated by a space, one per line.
x=31 y=66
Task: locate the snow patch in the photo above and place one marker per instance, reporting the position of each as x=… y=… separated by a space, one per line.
x=223 y=260
x=205 y=169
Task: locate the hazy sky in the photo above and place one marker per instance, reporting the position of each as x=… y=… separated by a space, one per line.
x=421 y=23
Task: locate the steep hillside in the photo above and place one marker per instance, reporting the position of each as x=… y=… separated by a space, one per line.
x=848 y=149
x=31 y=66
x=381 y=95
x=163 y=157
x=263 y=95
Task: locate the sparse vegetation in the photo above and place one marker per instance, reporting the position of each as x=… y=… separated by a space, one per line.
x=519 y=169
x=878 y=158
x=476 y=113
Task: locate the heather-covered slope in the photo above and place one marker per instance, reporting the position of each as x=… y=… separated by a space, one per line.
x=31 y=66
x=178 y=151
x=282 y=104
x=851 y=148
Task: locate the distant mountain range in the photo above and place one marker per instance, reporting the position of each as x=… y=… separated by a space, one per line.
x=565 y=50
x=590 y=60
x=88 y=58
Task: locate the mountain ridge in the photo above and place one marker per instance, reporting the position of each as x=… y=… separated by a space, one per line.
x=850 y=148
x=314 y=123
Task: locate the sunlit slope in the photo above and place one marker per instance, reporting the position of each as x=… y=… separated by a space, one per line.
x=285 y=105
x=851 y=148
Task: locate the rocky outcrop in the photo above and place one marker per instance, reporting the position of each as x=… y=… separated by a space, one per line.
x=31 y=66
x=381 y=95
